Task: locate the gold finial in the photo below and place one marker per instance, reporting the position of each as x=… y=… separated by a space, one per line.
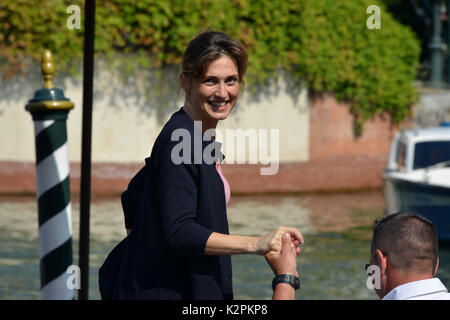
x=48 y=69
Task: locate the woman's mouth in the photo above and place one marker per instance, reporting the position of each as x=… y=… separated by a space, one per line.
x=220 y=105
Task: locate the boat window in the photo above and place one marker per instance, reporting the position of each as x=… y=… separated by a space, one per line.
x=429 y=153
x=401 y=157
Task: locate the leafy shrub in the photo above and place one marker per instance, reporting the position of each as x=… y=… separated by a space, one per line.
x=324 y=42
x=373 y=69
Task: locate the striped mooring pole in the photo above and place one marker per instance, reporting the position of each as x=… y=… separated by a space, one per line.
x=49 y=109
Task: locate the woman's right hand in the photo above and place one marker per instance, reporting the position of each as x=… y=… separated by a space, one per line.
x=273 y=240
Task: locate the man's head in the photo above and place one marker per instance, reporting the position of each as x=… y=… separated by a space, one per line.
x=405 y=247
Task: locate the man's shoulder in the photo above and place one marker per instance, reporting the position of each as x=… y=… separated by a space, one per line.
x=426 y=289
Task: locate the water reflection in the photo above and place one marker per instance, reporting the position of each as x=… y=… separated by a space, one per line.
x=336 y=228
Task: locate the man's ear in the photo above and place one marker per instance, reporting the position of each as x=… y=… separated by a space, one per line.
x=382 y=261
x=437 y=266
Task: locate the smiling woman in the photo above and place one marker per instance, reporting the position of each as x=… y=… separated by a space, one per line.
x=212 y=98
x=212 y=74
x=178 y=244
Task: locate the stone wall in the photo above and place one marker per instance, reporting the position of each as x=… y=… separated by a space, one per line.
x=433 y=108
x=318 y=151
x=128 y=114
x=337 y=160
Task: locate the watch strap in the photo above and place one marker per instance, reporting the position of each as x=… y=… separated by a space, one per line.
x=286 y=278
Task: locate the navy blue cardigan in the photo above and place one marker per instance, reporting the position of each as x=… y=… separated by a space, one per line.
x=172 y=210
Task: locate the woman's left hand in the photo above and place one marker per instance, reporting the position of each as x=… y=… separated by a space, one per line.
x=273 y=240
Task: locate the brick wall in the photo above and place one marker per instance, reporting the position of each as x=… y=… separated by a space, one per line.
x=338 y=161
x=331 y=131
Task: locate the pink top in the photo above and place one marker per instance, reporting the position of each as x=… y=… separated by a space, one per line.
x=225 y=183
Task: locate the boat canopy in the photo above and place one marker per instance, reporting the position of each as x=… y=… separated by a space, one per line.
x=419 y=148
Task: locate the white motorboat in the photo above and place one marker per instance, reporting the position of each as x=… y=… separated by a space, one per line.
x=417 y=176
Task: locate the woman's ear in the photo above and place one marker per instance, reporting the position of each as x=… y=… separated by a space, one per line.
x=185 y=83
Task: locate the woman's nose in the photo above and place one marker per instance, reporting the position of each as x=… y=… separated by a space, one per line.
x=221 y=91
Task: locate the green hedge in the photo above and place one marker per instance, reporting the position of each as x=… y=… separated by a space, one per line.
x=374 y=69
x=324 y=42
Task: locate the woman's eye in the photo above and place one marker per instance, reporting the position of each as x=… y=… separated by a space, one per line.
x=209 y=82
x=232 y=80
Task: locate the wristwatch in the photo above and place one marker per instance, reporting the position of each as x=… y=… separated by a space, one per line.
x=286 y=278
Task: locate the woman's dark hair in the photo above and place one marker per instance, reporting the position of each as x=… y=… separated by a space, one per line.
x=206 y=48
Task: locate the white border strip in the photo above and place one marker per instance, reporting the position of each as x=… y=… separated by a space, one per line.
x=55 y=231
x=42 y=125
x=52 y=170
x=57 y=289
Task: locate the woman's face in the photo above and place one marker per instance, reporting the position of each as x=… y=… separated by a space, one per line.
x=213 y=97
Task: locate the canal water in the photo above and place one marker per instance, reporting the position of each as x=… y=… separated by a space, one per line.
x=336 y=228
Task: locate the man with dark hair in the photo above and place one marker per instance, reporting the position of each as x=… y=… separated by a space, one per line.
x=405 y=249
x=403 y=259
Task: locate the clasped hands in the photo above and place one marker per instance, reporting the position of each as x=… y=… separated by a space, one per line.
x=281 y=248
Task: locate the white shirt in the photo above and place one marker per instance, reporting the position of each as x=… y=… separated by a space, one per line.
x=429 y=289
